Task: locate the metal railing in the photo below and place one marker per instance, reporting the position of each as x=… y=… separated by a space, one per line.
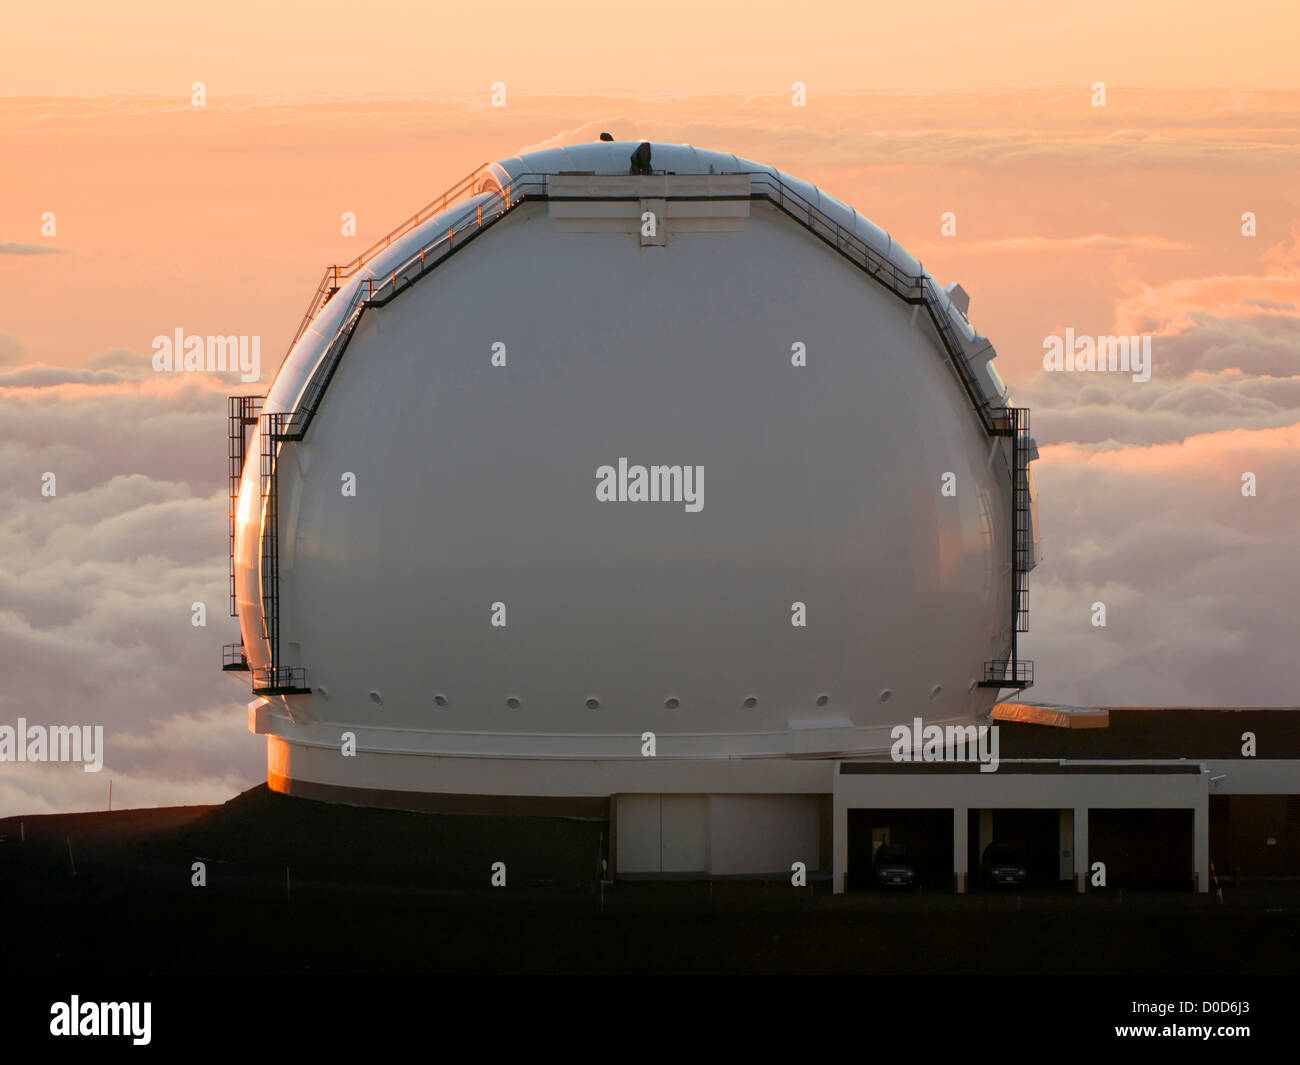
x=335 y=276
x=376 y=292
x=912 y=289
x=233 y=658
x=1008 y=674
x=280 y=680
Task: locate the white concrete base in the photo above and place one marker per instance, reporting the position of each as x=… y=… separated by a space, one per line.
x=368 y=770
x=717 y=835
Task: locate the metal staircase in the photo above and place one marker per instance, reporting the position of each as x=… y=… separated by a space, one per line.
x=276 y=678
x=335 y=276
x=1022 y=523
x=1012 y=671
x=242 y=411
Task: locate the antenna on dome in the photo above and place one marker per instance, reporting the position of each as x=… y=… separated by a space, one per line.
x=607 y=136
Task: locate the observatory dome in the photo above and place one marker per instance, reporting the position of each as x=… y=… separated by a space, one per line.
x=596 y=447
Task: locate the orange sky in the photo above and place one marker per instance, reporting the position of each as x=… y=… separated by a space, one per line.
x=86 y=47
x=220 y=219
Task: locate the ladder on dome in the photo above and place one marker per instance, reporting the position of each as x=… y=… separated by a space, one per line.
x=275 y=678
x=1012 y=671
x=241 y=412
x=335 y=276
x=1022 y=523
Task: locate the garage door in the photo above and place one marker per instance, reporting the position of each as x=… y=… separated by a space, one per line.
x=925 y=834
x=661 y=833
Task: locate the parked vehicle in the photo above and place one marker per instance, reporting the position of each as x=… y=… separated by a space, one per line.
x=893 y=867
x=1002 y=866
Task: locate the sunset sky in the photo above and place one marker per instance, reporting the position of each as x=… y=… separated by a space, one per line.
x=304 y=47
x=1125 y=218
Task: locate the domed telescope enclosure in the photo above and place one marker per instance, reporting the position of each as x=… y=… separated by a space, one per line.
x=627 y=474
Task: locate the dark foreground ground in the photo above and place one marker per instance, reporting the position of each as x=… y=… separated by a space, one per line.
x=295 y=886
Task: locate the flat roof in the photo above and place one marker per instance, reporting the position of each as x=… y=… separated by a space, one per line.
x=1051 y=714
x=1160 y=732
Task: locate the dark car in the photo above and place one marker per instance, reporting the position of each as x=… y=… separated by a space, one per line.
x=893 y=867
x=1002 y=866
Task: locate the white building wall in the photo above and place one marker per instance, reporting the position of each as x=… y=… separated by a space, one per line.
x=763 y=833
x=1253 y=776
x=637 y=837
x=684 y=833
x=1065 y=843
x=718 y=835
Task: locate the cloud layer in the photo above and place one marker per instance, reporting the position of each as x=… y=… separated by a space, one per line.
x=1126 y=222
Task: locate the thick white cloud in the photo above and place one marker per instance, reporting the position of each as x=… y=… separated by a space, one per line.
x=1223 y=356
x=1198 y=580
x=97 y=585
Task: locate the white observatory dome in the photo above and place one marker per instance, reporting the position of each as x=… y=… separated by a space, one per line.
x=578 y=455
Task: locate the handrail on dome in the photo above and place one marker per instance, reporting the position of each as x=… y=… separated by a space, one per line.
x=911 y=288
x=333 y=277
